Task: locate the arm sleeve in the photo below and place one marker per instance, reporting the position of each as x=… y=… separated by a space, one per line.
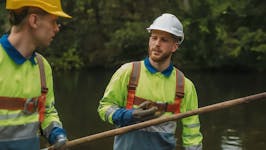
x=115 y=94
x=191 y=135
x=51 y=118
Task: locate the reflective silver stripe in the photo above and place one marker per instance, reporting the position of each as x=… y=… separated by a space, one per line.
x=167 y=127
x=12 y=116
x=109 y=111
x=192 y=125
x=47 y=130
x=18 y=132
x=194 y=147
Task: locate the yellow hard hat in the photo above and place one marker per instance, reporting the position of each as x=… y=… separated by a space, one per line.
x=51 y=6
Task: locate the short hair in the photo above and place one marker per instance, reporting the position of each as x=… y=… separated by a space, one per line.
x=176 y=38
x=18 y=15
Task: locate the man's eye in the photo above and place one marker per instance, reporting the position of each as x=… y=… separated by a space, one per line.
x=165 y=39
x=153 y=38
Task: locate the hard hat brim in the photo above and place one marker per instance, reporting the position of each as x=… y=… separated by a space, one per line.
x=60 y=14
x=162 y=29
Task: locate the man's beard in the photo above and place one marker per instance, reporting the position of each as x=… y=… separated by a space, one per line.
x=161 y=57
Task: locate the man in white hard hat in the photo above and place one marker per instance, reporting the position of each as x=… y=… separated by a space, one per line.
x=26 y=93
x=153 y=87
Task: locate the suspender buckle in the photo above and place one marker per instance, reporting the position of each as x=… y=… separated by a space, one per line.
x=179 y=94
x=132 y=87
x=30 y=106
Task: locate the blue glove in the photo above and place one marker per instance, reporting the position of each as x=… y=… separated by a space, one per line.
x=57 y=137
x=123 y=117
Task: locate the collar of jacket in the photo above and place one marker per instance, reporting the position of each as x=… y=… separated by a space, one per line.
x=13 y=52
x=167 y=72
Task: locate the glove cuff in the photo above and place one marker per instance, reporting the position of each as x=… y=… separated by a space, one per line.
x=56 y=135
x=122 y=117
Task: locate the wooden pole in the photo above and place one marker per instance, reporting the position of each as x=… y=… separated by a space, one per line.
x=160 y=120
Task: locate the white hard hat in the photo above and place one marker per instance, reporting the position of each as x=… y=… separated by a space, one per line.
x=168 y=23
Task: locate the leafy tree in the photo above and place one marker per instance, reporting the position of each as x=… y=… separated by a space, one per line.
x=219 y=34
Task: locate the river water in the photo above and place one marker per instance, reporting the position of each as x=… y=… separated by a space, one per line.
x=241 y=127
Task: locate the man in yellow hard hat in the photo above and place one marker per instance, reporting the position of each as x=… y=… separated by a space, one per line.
x=26 y=93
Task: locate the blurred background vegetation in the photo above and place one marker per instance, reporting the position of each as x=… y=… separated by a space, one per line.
x=219 y=35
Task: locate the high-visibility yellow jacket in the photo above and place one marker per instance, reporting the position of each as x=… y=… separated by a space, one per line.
x=158 y=87
x=20 y=78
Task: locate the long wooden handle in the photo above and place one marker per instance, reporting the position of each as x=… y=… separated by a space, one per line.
x=160 y=120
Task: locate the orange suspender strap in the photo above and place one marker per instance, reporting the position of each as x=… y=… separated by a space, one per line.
x=44 y=89
x=132 y=99
x=133 y=82
x=180 y=81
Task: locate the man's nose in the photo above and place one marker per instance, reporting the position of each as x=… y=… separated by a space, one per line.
x=158 y=42
x=57 y=27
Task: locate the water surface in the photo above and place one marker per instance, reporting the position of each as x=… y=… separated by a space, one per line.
x=241 y=127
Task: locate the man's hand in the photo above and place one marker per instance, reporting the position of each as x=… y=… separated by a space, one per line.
x=145 y=111
x=58 y=138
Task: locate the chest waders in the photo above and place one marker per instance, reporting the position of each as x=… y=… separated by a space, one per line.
x=132 y=99
x=29 y=105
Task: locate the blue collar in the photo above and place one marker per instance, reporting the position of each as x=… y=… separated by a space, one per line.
x=151 y=69
x=13 y=52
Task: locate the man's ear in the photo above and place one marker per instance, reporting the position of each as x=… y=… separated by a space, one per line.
x=33 y=20
x=175 y=47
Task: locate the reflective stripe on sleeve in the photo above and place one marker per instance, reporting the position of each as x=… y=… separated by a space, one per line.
x=47 y=130
x=110 y=111
x=192 y=125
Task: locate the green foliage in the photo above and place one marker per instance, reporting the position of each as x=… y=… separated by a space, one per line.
x=4 y=24
x=218 y=34
x=127 y=43
x=69 y=61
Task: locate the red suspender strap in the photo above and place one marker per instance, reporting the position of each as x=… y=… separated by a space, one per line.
x=44 y=89
x=133 y=82
x=180 y=81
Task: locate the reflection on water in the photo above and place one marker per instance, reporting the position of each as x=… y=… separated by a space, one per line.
x=231 y=140
x=238 y=128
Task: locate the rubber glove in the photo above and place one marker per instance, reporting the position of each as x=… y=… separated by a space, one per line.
x=145 y=111
x=123 y=117
x=58 y=138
